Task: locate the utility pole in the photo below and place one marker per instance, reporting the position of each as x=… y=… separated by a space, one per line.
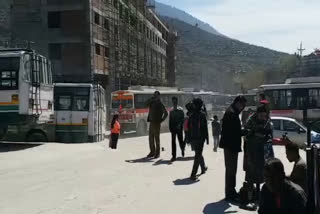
x=300 y=50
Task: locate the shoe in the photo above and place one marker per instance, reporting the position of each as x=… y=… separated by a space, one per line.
x=182 y=154
x=249 y=207
x=150 y=155
x=204 y=171
x=193 y=178
x=173 y=159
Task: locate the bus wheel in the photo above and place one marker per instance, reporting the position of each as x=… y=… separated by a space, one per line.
x=37 y=136
x=142 y=128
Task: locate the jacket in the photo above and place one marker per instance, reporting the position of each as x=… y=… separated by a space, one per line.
x=157 y=111
x=176 y=119
x=293 y=200
x=231 y=130
x=198 y=127
x=216 y=128
x=116 y=128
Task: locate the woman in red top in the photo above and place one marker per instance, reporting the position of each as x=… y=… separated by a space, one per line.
x=115 y=132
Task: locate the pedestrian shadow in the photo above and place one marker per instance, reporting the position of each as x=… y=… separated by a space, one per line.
x=140 y=160
x=185 y=158
x=184 y=181
x=162 y=162
x=218 y=208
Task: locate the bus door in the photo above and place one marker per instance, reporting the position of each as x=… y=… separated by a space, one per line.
x=97 y=128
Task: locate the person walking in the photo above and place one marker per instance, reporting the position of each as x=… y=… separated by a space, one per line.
x=279 y=195
x=115 y=131
x=231 y=143
x=176 y=120
x=216 y=131
x=198 y=134
x=258 y=149
x=157 y=114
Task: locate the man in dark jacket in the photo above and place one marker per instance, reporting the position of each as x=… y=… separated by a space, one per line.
x=176 y=119
x=231 y=143
x=157 y=114
x=279 y=195
x=198 y=134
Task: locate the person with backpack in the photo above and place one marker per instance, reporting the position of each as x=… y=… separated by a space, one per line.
x=198 y=134
x=216 y=131
x=115 y=132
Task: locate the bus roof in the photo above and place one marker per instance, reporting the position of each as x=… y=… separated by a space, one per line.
x=148 y=92
x=289 y=86
x=73 y=84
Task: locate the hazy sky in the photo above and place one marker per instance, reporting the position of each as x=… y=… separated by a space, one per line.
x=276 y=24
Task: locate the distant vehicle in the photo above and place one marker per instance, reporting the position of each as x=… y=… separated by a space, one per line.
x=288 y=100
x=294 y=130
x=80 y=112
x=132 y=109
x=26 y=97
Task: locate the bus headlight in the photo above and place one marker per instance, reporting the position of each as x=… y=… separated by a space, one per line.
x=15 y=98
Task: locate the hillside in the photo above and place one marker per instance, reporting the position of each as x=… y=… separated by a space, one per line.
x=175 y=13
x=223 y=63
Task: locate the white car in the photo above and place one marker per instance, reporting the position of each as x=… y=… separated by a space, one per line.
x=296 y=132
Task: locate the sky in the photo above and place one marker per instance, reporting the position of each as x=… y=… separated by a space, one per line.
x=276 y=24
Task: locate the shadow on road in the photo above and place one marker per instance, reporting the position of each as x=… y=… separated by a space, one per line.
x=184 y=181
x=162 y=162
x=140 y=160
x=185 y=158
x=218 y=208
x=12 y=147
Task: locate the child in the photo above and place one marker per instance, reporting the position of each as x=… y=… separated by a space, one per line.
x=115 y=131
x=216 y=131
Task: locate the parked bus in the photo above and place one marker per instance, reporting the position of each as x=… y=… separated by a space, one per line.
x=26 y=97
x=288 y=100
x=80 y=112
x=132 y=109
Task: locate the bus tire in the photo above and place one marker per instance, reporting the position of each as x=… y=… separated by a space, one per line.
x=36 y=136
x=142 y=128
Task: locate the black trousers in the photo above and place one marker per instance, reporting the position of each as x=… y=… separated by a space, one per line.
x=231 y=164
x=198 y=158
x=174 y=135
x=114 y=141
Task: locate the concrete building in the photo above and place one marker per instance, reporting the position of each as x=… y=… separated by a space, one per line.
x=117 y=43
x=311 y=63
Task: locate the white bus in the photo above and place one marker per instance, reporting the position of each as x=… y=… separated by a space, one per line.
x=132 y=109
x=26 y=97
x=80 y=112
x=288 y=100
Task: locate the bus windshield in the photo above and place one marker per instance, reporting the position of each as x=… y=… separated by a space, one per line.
x=122 y=103
x=9 y=69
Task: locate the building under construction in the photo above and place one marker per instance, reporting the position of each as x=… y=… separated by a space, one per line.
x=116 y=43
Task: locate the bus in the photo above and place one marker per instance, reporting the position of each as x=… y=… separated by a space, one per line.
x=26 y=96
x=80 y=112
x=220 y=102
x=288 y=100
x=131 y=106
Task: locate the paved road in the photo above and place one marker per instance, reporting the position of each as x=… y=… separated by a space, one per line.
x=91 y=179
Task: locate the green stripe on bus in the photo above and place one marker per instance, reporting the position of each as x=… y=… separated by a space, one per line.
x=9 y=107
x=72 y=128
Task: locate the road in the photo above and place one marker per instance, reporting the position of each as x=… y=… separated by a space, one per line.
x=92 y=179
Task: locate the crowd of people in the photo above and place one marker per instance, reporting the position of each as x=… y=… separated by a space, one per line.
x=279 y=193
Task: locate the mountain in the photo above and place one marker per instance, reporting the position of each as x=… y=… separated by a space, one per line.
x=172 y=12
x=218 y=63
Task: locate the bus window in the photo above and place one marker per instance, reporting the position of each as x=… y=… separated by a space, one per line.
x=80 y=103
x=9 y=68
x=125 y=103
x=64 y=103
x=314 y=98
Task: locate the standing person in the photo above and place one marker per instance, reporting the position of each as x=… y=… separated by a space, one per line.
x=279 y=195
x=115 y=131
x=231 y=143
x=216 y=131
x=157 y=114
x=176 y=120
x=258 y=149
x=299 y=171
x=198 y=134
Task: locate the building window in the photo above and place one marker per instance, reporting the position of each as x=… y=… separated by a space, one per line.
x=106 y=24
x=117 y=56
x=55 y=51
x=97 y=47
x=53 y=19
x=96 y=18
x=106 y=52
x=116 y=29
